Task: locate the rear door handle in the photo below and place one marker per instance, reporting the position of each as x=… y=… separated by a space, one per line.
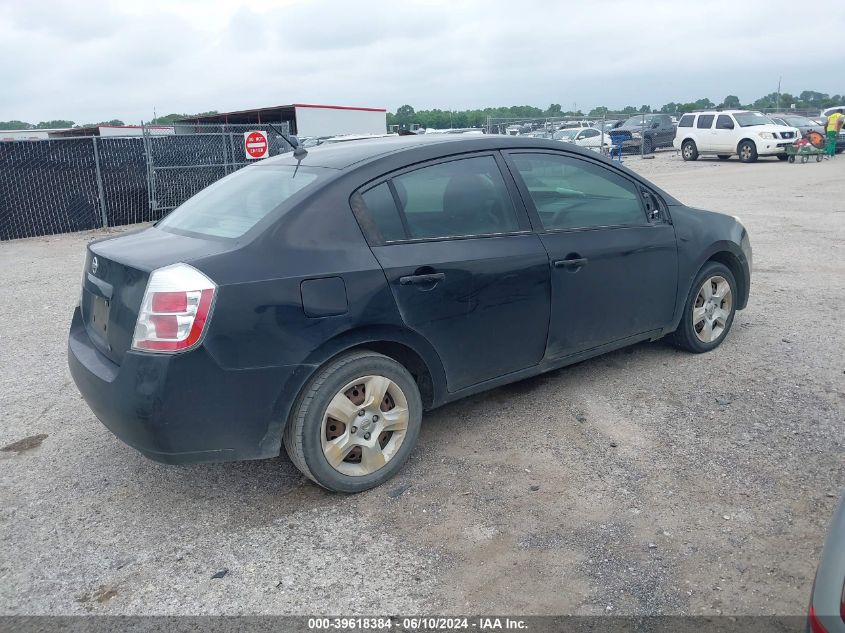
x=570 y=263
x=422 y=279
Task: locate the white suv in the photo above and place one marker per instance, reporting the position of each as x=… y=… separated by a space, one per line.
x=732 y=132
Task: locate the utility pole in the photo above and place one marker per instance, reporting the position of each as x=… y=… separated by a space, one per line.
x=777 y=103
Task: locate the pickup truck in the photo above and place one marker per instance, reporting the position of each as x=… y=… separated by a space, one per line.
x=644 y=132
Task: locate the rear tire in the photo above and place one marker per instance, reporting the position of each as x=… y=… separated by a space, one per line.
x=689 y=151
x=707 y=316
x=347 y=451
x=782 y=157
x=747 y=151
x=724 y=156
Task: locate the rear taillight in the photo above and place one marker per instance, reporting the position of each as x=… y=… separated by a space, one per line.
x=815 y=625
x=174 y=310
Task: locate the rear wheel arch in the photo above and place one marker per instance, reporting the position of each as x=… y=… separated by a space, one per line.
x=404 y=346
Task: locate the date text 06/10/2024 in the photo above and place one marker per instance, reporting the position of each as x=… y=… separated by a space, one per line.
x=428 y=623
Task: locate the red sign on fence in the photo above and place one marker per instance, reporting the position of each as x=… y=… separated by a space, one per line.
x=256 y=145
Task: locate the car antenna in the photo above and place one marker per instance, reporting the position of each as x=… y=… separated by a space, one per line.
x=299 y=152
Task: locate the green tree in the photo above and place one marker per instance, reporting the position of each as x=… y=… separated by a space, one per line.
x=554 y=110
x=15 y=125
x=645 y=109
x=57 y=123
x=629 y=110
x=731 y=102
x=598 y=111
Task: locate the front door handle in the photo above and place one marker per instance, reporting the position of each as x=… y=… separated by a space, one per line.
x=430 y=278
x=570 y=263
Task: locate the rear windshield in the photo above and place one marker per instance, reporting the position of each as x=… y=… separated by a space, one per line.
x=233 y=205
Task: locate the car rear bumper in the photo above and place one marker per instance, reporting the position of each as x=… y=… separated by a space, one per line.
x=182 y=408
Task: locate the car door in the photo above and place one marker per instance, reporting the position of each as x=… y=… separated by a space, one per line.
x=666 y=129
x=465 y=268
x=614 y=269
x=706 y=133
x=723 y=134
x=589 y=138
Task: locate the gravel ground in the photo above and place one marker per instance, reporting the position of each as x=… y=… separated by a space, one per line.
x=666 y=483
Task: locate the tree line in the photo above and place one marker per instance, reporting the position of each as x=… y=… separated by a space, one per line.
x=406 y=116
x=63 y=123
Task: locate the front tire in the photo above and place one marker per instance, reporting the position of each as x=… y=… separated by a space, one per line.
x=689 y=151
x=747 y=151
x=648 y=147
x=709 y=311
x=356 y=422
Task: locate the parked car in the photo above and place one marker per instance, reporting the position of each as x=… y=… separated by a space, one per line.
x=322 y=300
x=801 y=123
x=645 y=132
x=827 y=599
x=584 y=137
x=607 y=125
x=727 y=133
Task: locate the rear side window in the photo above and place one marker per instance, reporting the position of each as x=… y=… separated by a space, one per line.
x=387 y=225
x=234 y=204
x=456 y=198
x=704 y=121
x=686 y=120
x=569 y=193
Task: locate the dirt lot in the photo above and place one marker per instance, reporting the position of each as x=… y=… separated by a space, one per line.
x=668 y=482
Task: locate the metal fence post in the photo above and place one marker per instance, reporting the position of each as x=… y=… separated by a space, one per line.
x=100 y=184
x=148 y=152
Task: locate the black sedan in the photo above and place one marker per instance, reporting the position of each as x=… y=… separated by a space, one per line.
x=324 y=299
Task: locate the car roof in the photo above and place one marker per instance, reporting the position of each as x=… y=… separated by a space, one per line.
x=347 y=154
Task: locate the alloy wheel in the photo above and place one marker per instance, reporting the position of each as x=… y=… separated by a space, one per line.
x=712 y=309
x=364 y=425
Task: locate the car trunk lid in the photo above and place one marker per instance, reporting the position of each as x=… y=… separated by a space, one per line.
x=115 y=278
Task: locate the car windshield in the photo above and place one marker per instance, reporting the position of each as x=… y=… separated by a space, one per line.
x=798 y=121
x=638 y=120
x=750 y=119
x=234 y=204
x=565 y=135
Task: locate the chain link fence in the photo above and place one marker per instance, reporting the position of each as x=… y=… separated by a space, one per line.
x=73 y=184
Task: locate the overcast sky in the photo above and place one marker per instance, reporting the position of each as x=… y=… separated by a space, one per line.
x=90 y=61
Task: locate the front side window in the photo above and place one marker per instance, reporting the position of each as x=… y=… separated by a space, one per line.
x=724 y=122
x=234 y=204
x=704 y=121
x=569 y=193
x=686 y=120
x=456 y=198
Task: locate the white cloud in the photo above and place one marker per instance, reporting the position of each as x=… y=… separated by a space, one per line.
x=91 y=61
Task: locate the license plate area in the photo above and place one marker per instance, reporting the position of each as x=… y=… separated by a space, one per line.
x=100 y=317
